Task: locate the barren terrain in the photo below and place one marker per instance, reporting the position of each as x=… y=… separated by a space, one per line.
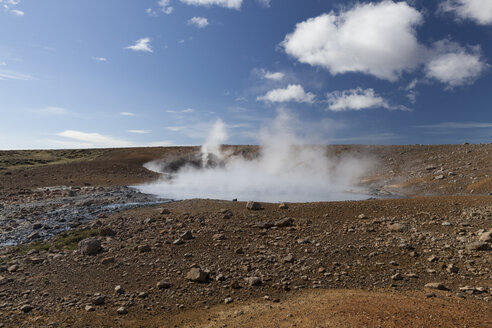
x=421 y=260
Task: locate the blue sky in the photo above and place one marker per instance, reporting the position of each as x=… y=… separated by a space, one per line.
x=76 y=74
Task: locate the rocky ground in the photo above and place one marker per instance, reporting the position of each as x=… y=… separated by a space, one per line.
x=421 y=261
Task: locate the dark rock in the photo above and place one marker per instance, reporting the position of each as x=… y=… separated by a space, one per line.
x=90 y=246
x=253 y=206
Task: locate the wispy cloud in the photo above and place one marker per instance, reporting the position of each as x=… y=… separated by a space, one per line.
x=95 y=139
x=139 y=131
x=12 y=75
x=100 y=59
x=232 y=4
x=142 y=45
x=52 y=110
x=127 y=114
x=184 y=111
x=456 y=125
x=163 y=7
x=199 y=22
x=17 y=12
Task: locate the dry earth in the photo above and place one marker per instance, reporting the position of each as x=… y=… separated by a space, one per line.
x=205 y=263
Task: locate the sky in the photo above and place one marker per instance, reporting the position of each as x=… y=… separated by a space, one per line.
x=112 y=73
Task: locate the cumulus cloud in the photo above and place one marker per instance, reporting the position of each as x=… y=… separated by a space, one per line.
x=142 y=44
x=163 y=6
x=479 y=11
x=357 y=99
x=232 y=4
x=294 y=92
x=199 y=22
x=274 y=76
x=265 y=3
x=94 y=139
x=377 y=39
x=454 y=65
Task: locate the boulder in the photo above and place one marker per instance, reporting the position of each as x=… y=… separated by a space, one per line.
x=90 y=246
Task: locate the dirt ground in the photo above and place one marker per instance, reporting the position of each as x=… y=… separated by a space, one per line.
x=207 y=263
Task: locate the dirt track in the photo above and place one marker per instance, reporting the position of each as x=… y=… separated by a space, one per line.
x=329 y=267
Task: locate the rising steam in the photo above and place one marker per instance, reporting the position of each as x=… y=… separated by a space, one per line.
x=287 y=169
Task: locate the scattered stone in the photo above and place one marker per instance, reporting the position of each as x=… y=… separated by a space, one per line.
x=219 y=236
x=119 y=290
x=253 y=206
x=439 y=177
x=235 y=284
x=13 y=268
x=478 y=246
x=285 y=222
x=451 y=268
x=436 y=285
x=253 y=281
x=164 y=284
x=144 y=248
x=121 y=310
x=178 y=241
x=265 y=224
x=107 y=260
x=37 y=225
x=362 y=217
x=107 y=232
x=288 y=259
x=26 y=308
x=486 y=237
x=284 y=206
x=397 y=277
x=99 y=300
x=165 y=211
x=197 y=275
x=90 y=308
x=397 y=227
x=228 y=300
x=188 y=235
x=432 y=258
x=90 y=246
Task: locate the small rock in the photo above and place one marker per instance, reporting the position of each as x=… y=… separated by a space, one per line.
x=362 y=217
x=188 y=235
x=253 y=206
x=90 y=246
x=107 y=232
x=285 y=222
x=451 y=268
x=284 y=206
x=478 y=246
x=219 y=236
x=253 y=281
x=397 y=277
x=90 y=308
x=178 y=241
x=265 y=224
x=436 y=285
x=143 y=248
x=107 y=260
x=165 y=211
x=397 y=227
x=121 y=310
x=163 y=284
x=288 y=259
x=13 y=268
x=37 y=225
x=119 y=290
x=26 y=308
x=197 y=275
x=228 y=300
x=99 y=300
x=486 y=237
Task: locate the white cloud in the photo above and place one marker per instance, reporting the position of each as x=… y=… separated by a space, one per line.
x=232 y=4
x=101 y=59
x=12 y=75
x=293 y=92
x=454 y=65
x=377 y=39
x=53 y=110
x=457 y=125
x=164 y=8
x=478 y=10
x=265 y=3
x=264 y=74
x=17 y=12
x=127 y=114
x=357 y=99
x=184 y=111
x=199 y=22
x=142 y=44
x=139 y=131
x=95 y=139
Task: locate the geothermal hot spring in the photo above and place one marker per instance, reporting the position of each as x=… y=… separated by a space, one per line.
x=286 y=169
